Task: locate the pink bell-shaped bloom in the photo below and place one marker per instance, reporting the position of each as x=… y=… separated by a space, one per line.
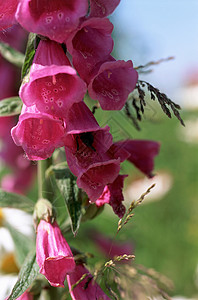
x=113 y=83
x=53 y=254
x=38 y=133
x=53 y=84
x=142 y=153
x=90 y=44
x=54 y=19
x=110 y=247
x=87 y=151
x=7 y=13
x=102 y=8
x=112 y=194
x=94 y=179
x=85 y=141
x=86 y=289
x=101 y=173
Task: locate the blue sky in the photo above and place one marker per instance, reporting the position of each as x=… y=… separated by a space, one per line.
x=154 y=29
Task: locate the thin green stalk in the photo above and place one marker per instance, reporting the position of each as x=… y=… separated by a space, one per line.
x=44 y=189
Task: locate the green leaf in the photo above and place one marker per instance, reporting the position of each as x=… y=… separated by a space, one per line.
x=23 y=244
x=13 y=200
x=10 y=106
x=13 y=56
x=29 y=54
x=66 y=183
x=27 y=274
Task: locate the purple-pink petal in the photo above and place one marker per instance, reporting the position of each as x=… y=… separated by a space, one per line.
x=90 y=44
x=7 y=13
x=110 y=247
x=53 y=84
x=53 y=254
x=86 y=289
x=38 y=133
x=142 y=153
x=102 y=8
x=97 y=176
x=112 y=194
x=113 y=83
x=24 y=296
x=54 y=19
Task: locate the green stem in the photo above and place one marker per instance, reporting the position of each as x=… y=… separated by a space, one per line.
x=44 y=190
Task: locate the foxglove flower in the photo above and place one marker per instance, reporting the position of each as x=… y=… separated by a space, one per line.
x=90 y=44
x=109 y=247
x=53 y=254
x=87 y=151
x=112 y=194
x=102 y=8
x=142 y=153
x=53 y=84
x=38 y=133
x=54 y=19
x=90 y=154
x=7 y=13
x=113 y=83
x=86 y=289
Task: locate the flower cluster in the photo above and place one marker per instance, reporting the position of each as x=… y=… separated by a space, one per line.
x=54 y=113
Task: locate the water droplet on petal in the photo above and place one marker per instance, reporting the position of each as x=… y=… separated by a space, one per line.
x=67 y=19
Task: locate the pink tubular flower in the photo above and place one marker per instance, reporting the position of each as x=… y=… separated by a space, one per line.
x=53 y=254
x=7 y=13
x=38 y=133
x=86 y=289
x=142 y=154
x=109 y=247
x=102 y=8
x=113 y=83
x=90 y=44
x=112 y=194
x=54 y=19
x=89 y=151
x=53 y=84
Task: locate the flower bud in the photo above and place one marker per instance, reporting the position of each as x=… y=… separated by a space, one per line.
x=43 y=211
